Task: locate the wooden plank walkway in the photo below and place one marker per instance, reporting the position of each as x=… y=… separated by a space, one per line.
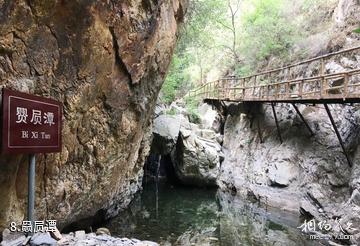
x=293 y=83
x=314 y=81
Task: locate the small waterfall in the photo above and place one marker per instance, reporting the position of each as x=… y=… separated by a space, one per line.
x=157 y=186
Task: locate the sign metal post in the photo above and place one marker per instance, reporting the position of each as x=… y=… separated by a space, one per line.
x=30 y=125
x=31 y=189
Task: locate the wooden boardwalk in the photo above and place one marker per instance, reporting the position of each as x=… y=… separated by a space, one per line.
x=319 y=80
x=294 y=83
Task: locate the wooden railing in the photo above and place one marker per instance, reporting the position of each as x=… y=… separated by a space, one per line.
x=293 y=82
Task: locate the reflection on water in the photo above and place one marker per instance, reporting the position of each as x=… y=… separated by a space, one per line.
x=244 y=223
x=189 y=216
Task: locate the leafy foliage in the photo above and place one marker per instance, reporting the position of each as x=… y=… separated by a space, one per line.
x=191 y=107
x=266 y=31
x=217 y=31
x=195 y=48
x=176 y=80
x=357 y=30
x=194 y=117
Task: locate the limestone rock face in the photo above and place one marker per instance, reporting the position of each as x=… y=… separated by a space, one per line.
x=210 y=118
x=105 y=60
x=307 y=175
x=196 y=160
x=194 y=150
x=304 y=174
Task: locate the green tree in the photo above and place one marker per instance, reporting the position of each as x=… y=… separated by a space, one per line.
x=198 y=42
x=266 y=31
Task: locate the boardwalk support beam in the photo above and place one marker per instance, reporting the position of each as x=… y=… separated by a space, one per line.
x=276 y=121
x=303 y=119
x=338 y=134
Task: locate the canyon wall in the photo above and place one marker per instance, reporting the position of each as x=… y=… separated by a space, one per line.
x=106 y=61
x=304 y=174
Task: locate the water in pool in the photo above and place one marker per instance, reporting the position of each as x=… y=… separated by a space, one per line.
x=172 y=215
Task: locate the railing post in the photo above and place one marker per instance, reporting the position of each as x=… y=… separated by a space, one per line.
x=288 y=90
x=322 y=82
x=288 y=75
x=207 y=90
x=269 y=83
x=213 y=89
x=204 y=91
x=301 y=87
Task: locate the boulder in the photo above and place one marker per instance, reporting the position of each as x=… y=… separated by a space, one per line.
x=210 y=118
x=56 y=234
x=6 y=233
x=206 y=133
x=176 y=109
x=165 y=134
x=12 y=238
x=196 y=160
x=103 y=231
x=106 y=61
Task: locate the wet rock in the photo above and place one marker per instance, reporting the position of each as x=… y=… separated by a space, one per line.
x=203 y=237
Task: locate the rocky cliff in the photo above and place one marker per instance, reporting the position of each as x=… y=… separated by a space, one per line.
x=307 y=175
x=189 y=153
x=105 y=60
